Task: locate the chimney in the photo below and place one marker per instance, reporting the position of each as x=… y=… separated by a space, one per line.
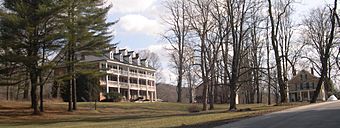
x=312 y=71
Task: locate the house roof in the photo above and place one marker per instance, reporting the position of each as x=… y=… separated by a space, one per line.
x=297 y=78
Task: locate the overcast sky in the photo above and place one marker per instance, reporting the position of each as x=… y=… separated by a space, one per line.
x=140 y=25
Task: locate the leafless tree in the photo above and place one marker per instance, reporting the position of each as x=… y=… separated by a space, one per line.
x=238 y=12
x=154 y=61
x=178 y=22
x=276 y=16
x=320 y=34
x=201 y=24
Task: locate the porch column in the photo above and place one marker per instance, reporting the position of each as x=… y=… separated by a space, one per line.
x=152 y=97
x=107 y=83
x=138 y=90
x=118 y=79
x=308 y=96
x=129 y=85
x=301 y=96
x=118 y=85
x=236 y=98
x=288 y=97
x=323 y=94
x=147 y=90
x=155 y=92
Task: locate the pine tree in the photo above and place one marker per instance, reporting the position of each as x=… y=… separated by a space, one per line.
x=87 y=33
x=28 y=26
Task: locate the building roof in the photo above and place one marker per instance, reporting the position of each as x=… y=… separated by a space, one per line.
x=297 y=78
x=107 y=57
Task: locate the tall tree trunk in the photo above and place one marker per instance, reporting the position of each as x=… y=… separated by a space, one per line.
x=268 y=69
x=41 y=83
x=7 y=92
x=232 y=106
x=69 y=82
x=70 y=95
x=190 y=86
x=257 y=87
x=274 y=42
x=211 y=95
x=73 y=79
x=179 y=87
x=204 y=73
x=41 y=93
x=34 y=83
x=74 y=94
x=17 y=93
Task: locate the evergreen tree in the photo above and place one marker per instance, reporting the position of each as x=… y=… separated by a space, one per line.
x=87 y=33
x=88 y=88
x=28 y=27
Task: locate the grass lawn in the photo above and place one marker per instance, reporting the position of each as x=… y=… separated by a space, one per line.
x=162 y=114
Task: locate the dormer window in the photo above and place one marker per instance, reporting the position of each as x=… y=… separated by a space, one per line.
x=146 y=63
x=103 y=66
x=111 y=55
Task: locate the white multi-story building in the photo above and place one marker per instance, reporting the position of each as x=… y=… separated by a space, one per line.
x=126 y=73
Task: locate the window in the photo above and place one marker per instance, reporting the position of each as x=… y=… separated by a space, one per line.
x=112 y=78
x=103 y=65
x=296 y=87
x=307 y=85
x=301 y=86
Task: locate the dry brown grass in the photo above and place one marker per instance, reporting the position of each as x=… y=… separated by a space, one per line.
x=18 y=114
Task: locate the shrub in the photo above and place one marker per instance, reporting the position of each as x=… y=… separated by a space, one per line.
x=194 y=108
x=113 y=97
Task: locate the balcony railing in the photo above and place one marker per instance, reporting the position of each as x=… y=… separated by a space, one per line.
x=132 y=85
x=133 y=74
x=113 y=83
x=126 y=73
x=124 y=85
x=143 y=87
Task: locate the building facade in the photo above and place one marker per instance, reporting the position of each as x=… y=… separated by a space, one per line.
x=125 y=73
x=302 y=87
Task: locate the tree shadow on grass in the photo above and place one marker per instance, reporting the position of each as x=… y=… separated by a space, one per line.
x=105 y=118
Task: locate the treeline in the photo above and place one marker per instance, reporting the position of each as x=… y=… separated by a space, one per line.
x=250 y=44
x=39 y=36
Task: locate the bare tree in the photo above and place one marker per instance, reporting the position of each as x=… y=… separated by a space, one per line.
x=201 y=24
x=153 y=61
x=256 y=46
x=238 y=12
x=275 y=17
x=178 y=22
x=320 y=34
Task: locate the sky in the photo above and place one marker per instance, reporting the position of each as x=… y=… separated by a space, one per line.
x=140 y=26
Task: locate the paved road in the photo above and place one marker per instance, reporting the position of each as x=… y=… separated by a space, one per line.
x=322 y=115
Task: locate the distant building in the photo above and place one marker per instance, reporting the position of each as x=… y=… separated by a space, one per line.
x=303 y=85
x=126 y=73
